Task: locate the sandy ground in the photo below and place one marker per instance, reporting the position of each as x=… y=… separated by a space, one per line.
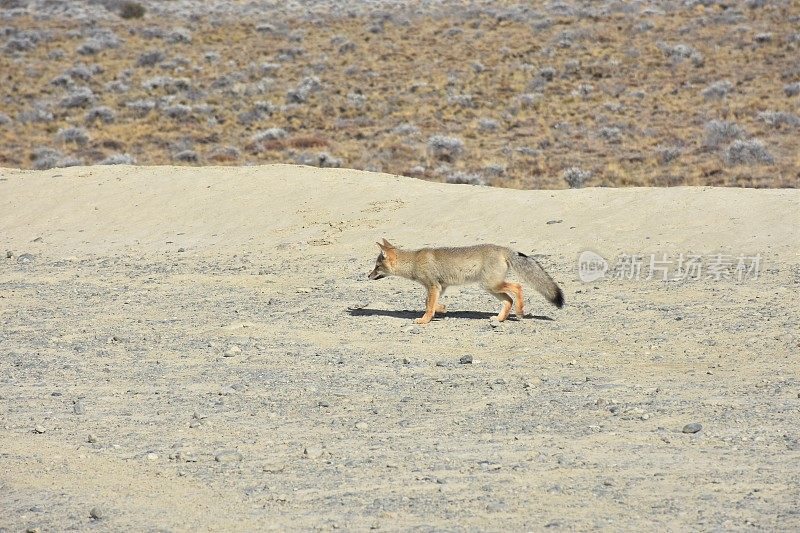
x=199 y=349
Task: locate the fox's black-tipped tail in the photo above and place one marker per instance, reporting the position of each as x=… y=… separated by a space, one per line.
x=532 y=272
x=558 y=300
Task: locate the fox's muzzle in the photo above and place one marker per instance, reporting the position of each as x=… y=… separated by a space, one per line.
x=375 y=275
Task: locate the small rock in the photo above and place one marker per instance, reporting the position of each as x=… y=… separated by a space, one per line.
x=312 y=452
x=181 y=249
x=323 y=403
x=92 y=438
x=228 y=456
x=559 y=221
x=39 y=429
x=362 y=425
x=465 y=360
x=694 y=427
x=25 y=259
x=78 y=407
x=232 y=351
x=406 y=361
x=97 y=513
x=274 y=468
x=441 y=363
x=151 y=456
x=9 y=254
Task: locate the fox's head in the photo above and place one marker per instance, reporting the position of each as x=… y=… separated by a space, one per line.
x=386 y=262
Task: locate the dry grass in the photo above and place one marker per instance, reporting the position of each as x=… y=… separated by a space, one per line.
x=625 y=94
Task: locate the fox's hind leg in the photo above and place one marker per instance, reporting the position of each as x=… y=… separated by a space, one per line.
x=506 y=308
x=504 y=292
x=430 y=305
x=519 y=300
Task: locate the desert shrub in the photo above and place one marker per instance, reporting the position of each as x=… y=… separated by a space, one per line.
x=269 y=135
x=583 y=90
x=749 y=152
x=576 y=177
x=153 y=32
x=179 y=35
x=572 y=66
x=169 y=84
x=529 y=100
x=488 y=124
x=69 y=162
x=131 y=10
x=301 y=93
x=762 y=38
x=779 y=118
x=721 y=131
x=792 y=89
x=118 y=159
x=445 y=148
x=81 y=72
x=495 y=169
x=465 y=178
x=406 y=129
x=225 y=153
x=356 y=100
x=117 y=86
x=187 y=156
x=178 y=111
x=287 y=55
x=150 y=58
x=322 y=159
x=461 y=100
x=269 y=69
x=44 y=158
x=101 y=113
x=547 y=73
x=38 y=113
x=348 y=47
x=679 y=52
x=78 y=97
x=73 y=134
x=668 y=154
x=4 y=119
x=90 y=47
x=716 y=90
x=141 y=107
x=611 y=134
x=62 y=80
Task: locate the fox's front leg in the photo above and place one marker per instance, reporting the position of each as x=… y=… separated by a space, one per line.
x=430 y=305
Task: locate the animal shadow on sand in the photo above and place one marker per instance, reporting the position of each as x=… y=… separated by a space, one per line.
x=406 y=314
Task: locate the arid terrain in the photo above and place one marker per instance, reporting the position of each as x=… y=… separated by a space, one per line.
x=187 y=349
x=561 y=94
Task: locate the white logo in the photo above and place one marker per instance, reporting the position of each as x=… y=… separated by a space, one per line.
x=591 y=266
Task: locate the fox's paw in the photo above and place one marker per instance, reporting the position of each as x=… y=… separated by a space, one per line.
x=422 y=320
x=441 y=309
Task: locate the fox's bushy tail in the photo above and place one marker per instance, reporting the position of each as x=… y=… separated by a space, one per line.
x=531 y=271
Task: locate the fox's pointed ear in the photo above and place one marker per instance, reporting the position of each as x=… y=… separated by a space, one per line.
x=387 y=244
x=380 y=245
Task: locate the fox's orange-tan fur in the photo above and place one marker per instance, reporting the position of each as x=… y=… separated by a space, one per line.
x=485 y=264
